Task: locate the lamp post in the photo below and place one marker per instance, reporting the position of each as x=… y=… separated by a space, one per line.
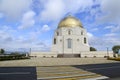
x=30 y=51
x=63 y=45
x=107 y=52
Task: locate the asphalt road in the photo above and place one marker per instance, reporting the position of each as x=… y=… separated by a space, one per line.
x=111 y=70
x=18 y=73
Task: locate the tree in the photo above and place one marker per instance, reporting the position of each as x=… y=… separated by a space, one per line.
x=2 y=51
x=93 y=49
x=116 y=48
x=15 y=53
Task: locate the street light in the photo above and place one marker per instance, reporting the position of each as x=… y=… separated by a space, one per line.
x=107 y=52
x=30 y=50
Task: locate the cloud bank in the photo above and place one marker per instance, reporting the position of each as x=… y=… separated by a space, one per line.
x=34 y=21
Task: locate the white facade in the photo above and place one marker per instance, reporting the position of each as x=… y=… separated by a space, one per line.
x=70 y=40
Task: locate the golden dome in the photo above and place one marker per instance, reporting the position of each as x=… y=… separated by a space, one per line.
x=70 y=21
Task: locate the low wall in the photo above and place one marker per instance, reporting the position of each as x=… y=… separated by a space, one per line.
x=82 y=54
x=43 y=54
x=96 y=54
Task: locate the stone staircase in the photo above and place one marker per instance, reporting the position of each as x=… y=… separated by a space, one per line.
x=68 y=55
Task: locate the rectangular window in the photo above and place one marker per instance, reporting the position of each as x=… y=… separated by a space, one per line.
x=69 y=41
x=85 y=40
x=54 y=41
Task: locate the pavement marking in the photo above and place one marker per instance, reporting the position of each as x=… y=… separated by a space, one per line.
x=15 y=73
x=68 y=72
x=92 y=77
x=64 y=73
x=67 y=76
x=103 y=68
x=98 y=78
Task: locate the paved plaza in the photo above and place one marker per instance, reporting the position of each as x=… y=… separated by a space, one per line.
x=54 y=61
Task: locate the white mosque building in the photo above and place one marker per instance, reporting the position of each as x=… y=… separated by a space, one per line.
x=70 y=40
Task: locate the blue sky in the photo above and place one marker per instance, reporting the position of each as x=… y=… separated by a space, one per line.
x=31 y=23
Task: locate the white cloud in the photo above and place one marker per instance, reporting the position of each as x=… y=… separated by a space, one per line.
x=100 y=43
x=110 y=10
x=8 y=37
x=78 y=5
x=4 y=36
x=14 y=8
x=94 y=29
x=27 y=20
x=116 y=29
x=35 y=45
x=110 y=35
x=22 y=42
x=40 y=46
x=45 y=28
x=7 y=29
x=38 y=31
x=113 y=28
x=109 y=27
x=56 y=9
x=53 y=10
x=90 y=35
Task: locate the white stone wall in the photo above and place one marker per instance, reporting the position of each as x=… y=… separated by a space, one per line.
x=83 y=54
x=43 y=54
x=78 y=44
x=96 y=54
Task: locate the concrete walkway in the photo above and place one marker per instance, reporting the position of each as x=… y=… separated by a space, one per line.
x=54 y=61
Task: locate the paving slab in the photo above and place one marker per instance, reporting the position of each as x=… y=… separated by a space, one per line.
x=55 y=61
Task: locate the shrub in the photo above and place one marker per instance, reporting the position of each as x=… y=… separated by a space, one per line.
x=13 y=57
x=116 y=48
x=2 y=51
x=93 y=49
x=116 y=59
